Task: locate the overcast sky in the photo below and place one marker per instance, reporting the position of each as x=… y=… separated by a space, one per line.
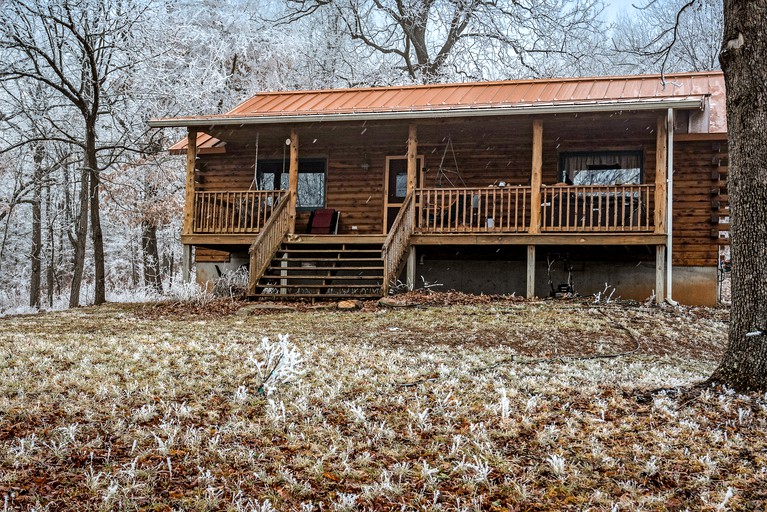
x=614 y=7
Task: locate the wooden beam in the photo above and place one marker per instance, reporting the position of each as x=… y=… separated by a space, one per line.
x=536 y=177
x=660 y=273
x=412 y=156
x=696 y=137
x=530 y=272
x=191 y=162
x=542 y=239
x=661 y=175
x=293 y=182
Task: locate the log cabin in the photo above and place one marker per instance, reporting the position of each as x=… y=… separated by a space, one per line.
x=533 y=187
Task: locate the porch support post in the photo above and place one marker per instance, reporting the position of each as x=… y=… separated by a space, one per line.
x=293 y=181
x=530 y=272
x=536 y=179
x=660 y=272
x=670 y=206
x=186 y=263
x=660 y=176
x=412 y=152
x=191 y=162
x=410 y=269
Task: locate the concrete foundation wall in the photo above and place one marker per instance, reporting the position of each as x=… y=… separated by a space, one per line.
x=207 y=273
x=630 y=280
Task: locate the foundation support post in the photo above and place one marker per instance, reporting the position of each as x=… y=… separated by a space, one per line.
x=186 y=263
x=410 y=268
x=660 y=273
x=530 y=293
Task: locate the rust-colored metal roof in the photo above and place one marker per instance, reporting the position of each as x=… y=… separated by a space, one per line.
x=205 y=145
x=482 y=98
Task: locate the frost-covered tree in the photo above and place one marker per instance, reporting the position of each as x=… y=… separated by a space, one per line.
x=439 y=40
x=675 y=35
x=78 y=52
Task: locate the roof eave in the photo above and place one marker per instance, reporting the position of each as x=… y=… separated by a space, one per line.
x=686 y=103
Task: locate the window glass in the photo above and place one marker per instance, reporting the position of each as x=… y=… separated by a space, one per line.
x=601 y=168
x=311 y=190
x=266 y=181
x=273 y=175
x=401 y=184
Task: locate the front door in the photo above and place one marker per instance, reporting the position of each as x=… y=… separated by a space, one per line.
x=395 y=186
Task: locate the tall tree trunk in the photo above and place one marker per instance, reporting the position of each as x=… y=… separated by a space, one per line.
x=37 y=226
x=50 y=270
x=78 y=240
x=151 y=256
x=99 y=296
x=97 y=236
x=744 y=62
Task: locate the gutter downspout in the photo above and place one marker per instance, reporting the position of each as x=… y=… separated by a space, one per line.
x=670 y=207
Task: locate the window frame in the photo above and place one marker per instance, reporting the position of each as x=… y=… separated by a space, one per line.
x=562 y=174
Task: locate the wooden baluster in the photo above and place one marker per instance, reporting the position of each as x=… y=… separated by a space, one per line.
x=442 y=210
x=495 y=198
x=208 y=198
x=647 y=206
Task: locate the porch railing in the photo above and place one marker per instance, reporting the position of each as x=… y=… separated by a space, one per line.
x=234 y=211
x=269 y=239
x=398 y=241
x=473 y=210
x=597 y=208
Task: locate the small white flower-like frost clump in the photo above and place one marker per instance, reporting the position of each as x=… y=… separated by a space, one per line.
x=276 y=363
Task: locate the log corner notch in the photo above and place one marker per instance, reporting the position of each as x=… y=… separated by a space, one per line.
x=293 y=181
x=191 y=164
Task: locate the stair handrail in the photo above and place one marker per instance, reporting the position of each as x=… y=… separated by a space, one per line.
x=398 y=240
x=269 y=239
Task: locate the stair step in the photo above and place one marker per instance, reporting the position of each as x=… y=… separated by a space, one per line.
x=328 y=259
x=313 y=286
x=325 y=278
x=328 y=269
x=317 y=296
x=324 y=251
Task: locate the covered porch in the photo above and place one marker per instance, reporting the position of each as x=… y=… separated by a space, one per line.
x=402 y=204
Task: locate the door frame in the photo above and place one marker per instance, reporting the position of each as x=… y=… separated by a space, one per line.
x=386 y=204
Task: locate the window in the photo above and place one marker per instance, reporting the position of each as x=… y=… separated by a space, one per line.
x=601 y=168
x=273 y=175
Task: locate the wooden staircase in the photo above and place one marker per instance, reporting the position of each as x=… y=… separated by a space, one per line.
x=323 y=270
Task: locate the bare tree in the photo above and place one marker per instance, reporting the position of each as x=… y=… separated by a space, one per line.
x=744 y=62
x=432 y=40
x=74 y=50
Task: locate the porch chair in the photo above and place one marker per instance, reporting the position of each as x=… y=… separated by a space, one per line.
x=323 y=221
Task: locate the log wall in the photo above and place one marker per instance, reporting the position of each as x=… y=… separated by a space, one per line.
x=699 y=201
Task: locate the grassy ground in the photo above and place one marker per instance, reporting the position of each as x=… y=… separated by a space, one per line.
x=468 y=406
